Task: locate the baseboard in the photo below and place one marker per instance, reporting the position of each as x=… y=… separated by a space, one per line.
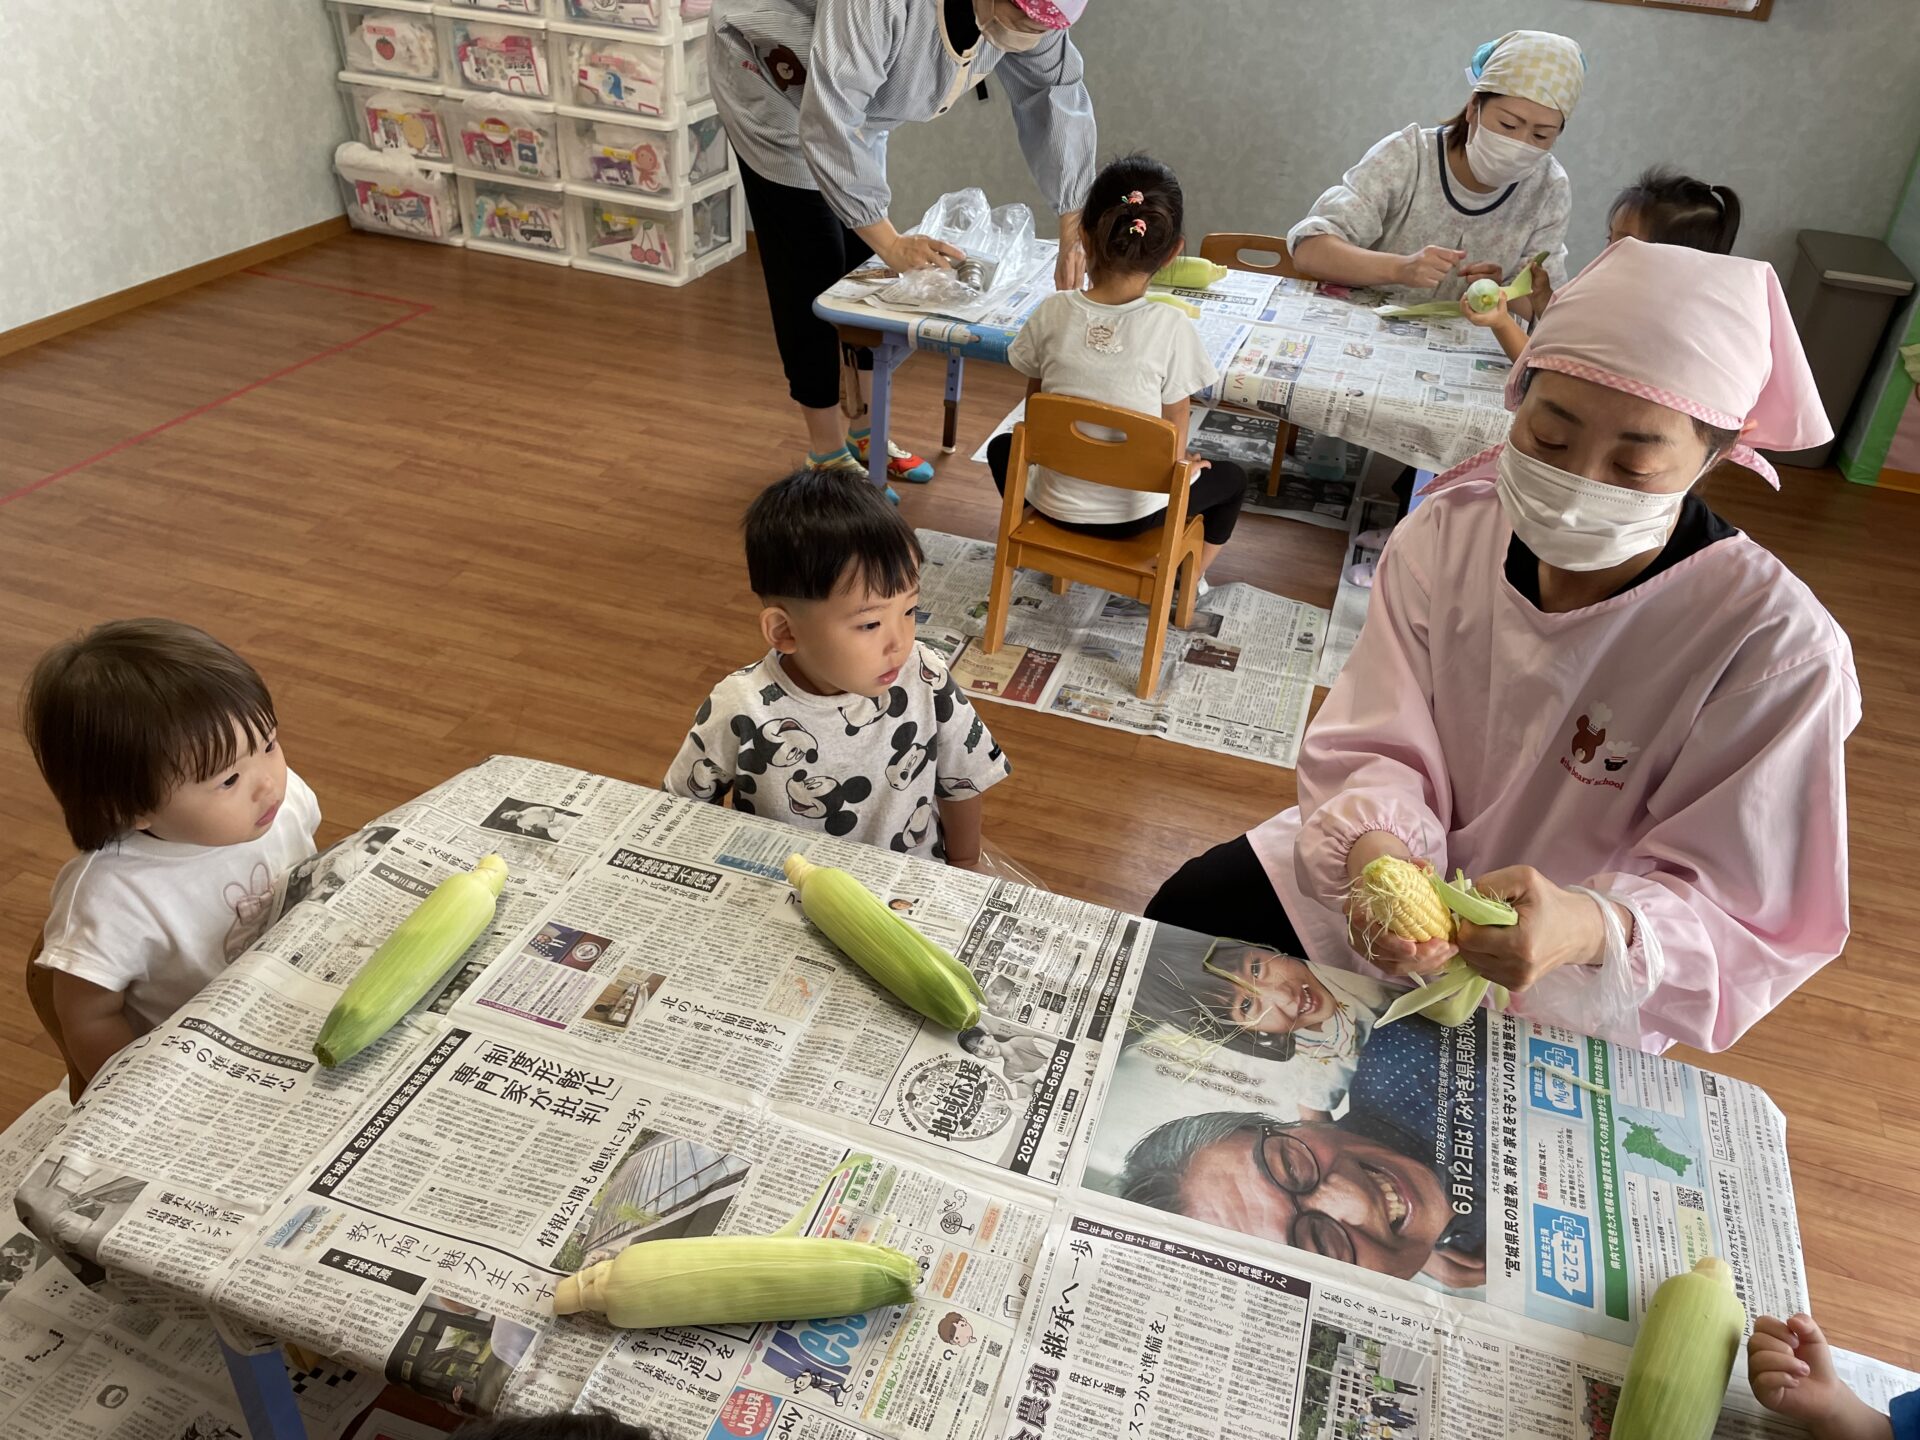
x=132 y=298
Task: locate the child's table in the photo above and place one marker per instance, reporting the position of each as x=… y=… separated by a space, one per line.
x=651 y=1041
x=1427 y=393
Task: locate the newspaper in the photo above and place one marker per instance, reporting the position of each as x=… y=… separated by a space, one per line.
x=659 y=1046
x=1373 y=520
x=1239 y=679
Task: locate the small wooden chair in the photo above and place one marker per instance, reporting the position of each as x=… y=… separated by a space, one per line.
x=1263 y=255
x=40 y=995
x=1147 y=458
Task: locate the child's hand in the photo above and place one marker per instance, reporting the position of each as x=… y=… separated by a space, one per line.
x=1790 y=1367
x=1542 y=289
x=1487 y=319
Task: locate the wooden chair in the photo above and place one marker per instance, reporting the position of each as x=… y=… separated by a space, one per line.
x=40 y=994
x=1263 y=255
x=1147 y=458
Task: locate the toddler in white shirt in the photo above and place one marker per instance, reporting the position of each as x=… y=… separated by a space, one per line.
x=162 y=747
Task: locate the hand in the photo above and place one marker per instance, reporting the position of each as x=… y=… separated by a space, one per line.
x=1070 y=266
x=917 y=252
x=1487 y=319
x=964 y=862
x=1542 y=289
x=1429 y=267
x=1387 y=952
x=1479 y=270
x=1791 y=1371
x=1556 y=927
x=1198 y=462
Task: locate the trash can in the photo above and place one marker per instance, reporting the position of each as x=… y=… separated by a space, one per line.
x=1844 y=291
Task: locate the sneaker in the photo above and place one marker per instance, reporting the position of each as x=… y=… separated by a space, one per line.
x=844 y=462
x=901 y=464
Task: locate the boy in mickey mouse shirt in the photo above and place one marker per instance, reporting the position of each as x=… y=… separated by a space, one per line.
x=848 y=725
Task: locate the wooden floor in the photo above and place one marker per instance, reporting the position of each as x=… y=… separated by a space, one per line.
x=455 y=504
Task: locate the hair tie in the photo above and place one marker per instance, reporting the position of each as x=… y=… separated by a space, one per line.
x=1138 y=227
x=1133 y=197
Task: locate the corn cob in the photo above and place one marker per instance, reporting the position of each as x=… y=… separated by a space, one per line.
x=738 y=1279
x=1189 y=272
x=411 y=961
x=907 y=965
x=1398 y=897
x=1677 y=1376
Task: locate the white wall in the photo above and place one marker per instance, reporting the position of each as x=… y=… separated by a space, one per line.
x=145 y=136
x=1258 y=105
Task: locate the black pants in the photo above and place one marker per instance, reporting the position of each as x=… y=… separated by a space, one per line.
x=1215 y=496
x=804 y=248
x=1226 y=892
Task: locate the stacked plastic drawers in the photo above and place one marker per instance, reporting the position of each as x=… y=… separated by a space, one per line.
x=574 y=132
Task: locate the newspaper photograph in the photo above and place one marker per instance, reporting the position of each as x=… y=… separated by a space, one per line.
x=1470 y=1160
x=1239 y=679
x=681 y=946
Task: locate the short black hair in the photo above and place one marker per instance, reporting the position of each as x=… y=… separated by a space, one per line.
x=816 y=530
x=1129 y=236
x=120 y=717
x=601 y=1425
x=1680 y=210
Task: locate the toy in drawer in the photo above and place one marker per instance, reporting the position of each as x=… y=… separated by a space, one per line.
x=508 y=137
x=401 y=120
x=501 y=59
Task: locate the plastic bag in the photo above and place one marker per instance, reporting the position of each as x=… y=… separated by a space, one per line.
x=1002 y=866
x=997 y=241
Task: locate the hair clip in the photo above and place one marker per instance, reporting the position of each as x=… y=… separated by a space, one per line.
x=1133 y=197
x=1138 y=227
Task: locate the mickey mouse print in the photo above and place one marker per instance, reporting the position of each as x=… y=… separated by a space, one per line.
x=858 y=767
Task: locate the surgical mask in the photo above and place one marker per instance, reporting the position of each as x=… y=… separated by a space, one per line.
x=1002 y=36
x=1574 y=523
x=1500 y=159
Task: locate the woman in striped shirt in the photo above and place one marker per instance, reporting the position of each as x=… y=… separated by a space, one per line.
x=809 y=91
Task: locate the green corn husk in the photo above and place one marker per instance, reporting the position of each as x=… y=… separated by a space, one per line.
x=1517 y=288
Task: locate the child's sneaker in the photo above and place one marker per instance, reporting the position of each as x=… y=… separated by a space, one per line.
x=844 y=461
x=901 y=464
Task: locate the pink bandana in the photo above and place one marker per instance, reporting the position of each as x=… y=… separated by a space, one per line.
x=1054 y=14
x=1707 y=335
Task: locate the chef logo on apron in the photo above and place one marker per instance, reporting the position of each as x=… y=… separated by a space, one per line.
x=783 y=67
x=1597 y=753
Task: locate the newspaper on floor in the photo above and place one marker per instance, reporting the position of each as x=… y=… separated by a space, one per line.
x=1239 y=680
x=1373 y=520
x=659 y=1046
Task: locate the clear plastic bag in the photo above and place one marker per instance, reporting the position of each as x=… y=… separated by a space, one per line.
x=1002 y=866
x=997 y=241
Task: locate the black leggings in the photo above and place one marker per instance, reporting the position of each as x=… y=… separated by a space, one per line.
x=1216 y=496
x=1226 y=892
x=804 y=248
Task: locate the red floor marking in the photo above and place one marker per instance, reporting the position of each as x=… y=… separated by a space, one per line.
x=415 y=310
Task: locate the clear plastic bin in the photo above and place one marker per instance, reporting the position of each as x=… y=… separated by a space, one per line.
x=498 y=135
x=664 y=244
x=620 y=73
x=515 y=219
x=659 y=159
x=388 y=40
x=410 y=121
x=707 y=140
x=499 y=57
x=531 y=9
x=654 y=16
x=386 y=193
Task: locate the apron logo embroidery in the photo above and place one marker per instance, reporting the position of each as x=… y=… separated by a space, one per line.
x=1102 y=338
x=1592 y=742
x=785 y=67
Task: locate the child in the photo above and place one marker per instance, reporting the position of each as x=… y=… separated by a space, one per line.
x=1790 y=1368
x=1661 y=208
x=1259 y=1002
x=162 y=748
x=1111 y=344
x=848 y=725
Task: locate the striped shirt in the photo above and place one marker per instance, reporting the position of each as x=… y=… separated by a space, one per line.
x=809 y=89
x=1400 y=197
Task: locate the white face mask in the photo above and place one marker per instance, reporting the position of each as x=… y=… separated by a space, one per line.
x=1500 y=159
x=1001 y=35
x=1574 y=523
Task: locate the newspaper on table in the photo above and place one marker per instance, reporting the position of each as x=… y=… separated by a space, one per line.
x=655 y=1044
x=1239 y=679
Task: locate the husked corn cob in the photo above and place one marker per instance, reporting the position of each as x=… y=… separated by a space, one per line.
x=907 y=965
x=1677 y=1376
x=735 y=1279
x=1398 y=897
x=411 y=961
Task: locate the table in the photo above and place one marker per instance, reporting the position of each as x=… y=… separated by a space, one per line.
x=1425 y=392
x=651 y=1040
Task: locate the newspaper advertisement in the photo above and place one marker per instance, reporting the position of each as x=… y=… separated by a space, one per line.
x=1248 y=1079
x=682 y=946
x=1428 y=393
x=1148 y=1330
x=1239 y=679
x=1319 y=476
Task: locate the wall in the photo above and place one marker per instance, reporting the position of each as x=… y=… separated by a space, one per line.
x=1812 y=116
x=146 y=136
